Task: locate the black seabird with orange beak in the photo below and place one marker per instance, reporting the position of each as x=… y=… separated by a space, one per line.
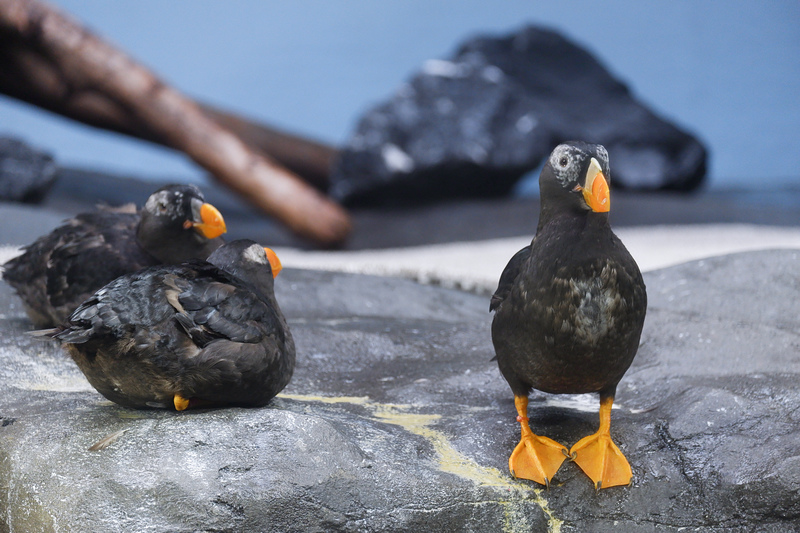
x=569 y=311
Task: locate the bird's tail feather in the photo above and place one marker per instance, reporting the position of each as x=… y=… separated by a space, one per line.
x=39 y=333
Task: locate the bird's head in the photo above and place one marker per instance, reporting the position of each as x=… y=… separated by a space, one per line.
x=576 y=175
x=183 y=206
x=176 y=224
x=245 y=259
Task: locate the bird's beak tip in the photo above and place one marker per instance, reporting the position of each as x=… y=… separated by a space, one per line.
x=596 y=191
x=274 y=262
x=212 y=224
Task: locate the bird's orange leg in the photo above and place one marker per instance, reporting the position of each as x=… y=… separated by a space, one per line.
x=599 y=457
x=535 y=458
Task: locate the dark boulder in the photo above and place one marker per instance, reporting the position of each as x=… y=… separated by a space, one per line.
x=26 y=174
x=472 y=125
x=397 y=420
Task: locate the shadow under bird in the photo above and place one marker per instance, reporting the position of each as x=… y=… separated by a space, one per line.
x=569 y=311
x=200 y=334
x=63 y=268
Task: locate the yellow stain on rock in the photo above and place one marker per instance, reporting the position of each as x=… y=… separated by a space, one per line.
x=355 y=400
x=450 y=459
x=454 y=462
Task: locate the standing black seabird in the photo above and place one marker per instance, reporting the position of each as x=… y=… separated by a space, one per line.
x=61 y=269
x=569 y=311
x=203 y=333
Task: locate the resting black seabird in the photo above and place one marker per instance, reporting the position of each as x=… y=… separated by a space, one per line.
x=204 y=333
x=60 y=270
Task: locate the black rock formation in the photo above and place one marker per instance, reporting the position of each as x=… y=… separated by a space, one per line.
x=472 y=125
x=26 y=174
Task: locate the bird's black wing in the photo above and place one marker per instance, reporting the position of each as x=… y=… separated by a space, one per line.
x=242 y=341
x=129 y=307
x=508 y=276
x=63 y=268
x=219 y=306
x=101 y=249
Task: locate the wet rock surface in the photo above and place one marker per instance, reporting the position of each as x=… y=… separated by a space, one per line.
x=396 y=420
x=473 y=124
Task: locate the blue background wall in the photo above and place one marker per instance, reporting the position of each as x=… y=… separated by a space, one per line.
x=727 y=71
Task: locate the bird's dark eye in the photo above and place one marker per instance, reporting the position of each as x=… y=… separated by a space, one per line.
x=563 y=162
x=162 y=206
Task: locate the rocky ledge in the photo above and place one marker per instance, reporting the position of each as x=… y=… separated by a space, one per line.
x=396 y=420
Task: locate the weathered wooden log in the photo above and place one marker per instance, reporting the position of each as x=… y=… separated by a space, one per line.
x=309 y=159
x=50 y=60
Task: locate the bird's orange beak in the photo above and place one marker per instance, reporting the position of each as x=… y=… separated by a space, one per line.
x=595 y=189
x=274 y=262
x=212 y=225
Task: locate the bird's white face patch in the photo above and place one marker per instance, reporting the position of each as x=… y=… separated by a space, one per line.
x=255 y=254
x=158 y=203
x=566 y=163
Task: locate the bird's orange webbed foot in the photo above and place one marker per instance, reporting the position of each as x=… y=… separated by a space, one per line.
x=535 y=457
x=602 y=461
x=599 y=457
x=181 y=403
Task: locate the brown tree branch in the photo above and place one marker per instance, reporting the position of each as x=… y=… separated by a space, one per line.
x=51 y=61
x=310 y=159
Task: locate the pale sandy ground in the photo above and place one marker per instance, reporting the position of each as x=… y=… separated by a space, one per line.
x=477 y=265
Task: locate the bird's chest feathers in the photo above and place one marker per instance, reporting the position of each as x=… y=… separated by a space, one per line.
x=591 y=305
x=573 y=307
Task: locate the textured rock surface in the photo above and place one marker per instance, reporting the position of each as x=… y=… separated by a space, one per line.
x=474 y=124
x=397 y=421
x=26 y=174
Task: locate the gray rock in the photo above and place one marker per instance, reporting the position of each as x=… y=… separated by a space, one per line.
x=473 y=124
x=396 y=420
x=26 y=174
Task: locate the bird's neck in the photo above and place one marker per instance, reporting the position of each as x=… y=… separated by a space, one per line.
x=578 y=220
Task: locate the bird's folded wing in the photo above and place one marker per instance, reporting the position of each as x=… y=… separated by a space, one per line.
x=508 y=276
